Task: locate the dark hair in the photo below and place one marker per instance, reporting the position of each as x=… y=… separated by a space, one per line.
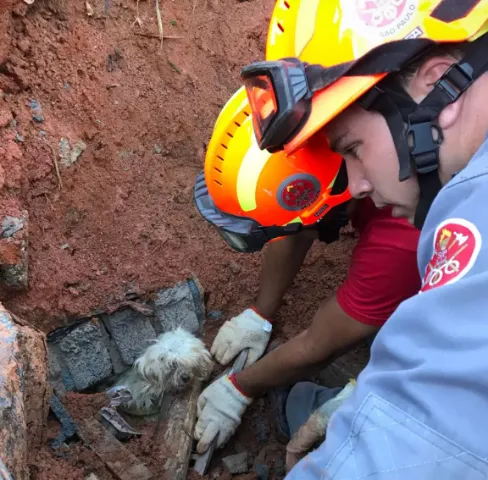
x=455 y=50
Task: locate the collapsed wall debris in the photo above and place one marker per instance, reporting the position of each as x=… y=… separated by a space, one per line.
x=92 y=350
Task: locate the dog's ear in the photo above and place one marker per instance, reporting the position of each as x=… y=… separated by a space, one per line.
x=204 y=365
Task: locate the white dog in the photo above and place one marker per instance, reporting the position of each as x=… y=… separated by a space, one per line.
x=174 y=360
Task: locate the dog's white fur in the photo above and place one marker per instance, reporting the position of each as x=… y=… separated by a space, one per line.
x=168 y=365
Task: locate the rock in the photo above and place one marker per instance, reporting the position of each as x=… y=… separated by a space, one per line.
x=262 y=471
x=236 y=463
x=14 y=255
x=78 y=148
x=92 y=476
x=69 y=154
x=176 y=307
x=261 y=430
x=24 y=393
x=262 y=460
x=36 y=111
x=68 y=426
x=11 y=225
x=25 y=46
x=215 y=314
x=86 y=354
x=131 y=331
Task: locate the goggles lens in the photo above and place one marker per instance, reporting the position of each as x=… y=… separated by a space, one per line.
x=262 y=99
x=234 y=240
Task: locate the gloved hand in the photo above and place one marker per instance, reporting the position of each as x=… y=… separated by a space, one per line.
x=247 y=330
x=219 y=410
x=313 y=430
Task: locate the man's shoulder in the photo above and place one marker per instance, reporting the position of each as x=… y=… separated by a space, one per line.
x=454 y=240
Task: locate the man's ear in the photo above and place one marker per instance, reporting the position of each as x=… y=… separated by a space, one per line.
x=425 y=78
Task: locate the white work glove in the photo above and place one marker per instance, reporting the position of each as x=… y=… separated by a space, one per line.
x=219 y=410
x=247 y=330
x=313 y=430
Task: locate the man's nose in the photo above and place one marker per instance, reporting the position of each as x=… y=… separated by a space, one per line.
x=358 y=185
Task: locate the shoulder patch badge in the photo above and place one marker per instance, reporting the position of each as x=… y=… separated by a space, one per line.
x=457 y=243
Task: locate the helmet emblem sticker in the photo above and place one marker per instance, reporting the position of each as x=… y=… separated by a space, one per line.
x=298 y=192
x=387 y=17
x=457 y=243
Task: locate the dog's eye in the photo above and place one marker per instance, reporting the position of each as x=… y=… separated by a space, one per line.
x=185 y=378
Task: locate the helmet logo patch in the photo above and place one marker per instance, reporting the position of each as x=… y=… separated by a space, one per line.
x=457 y=243
x=388 y=17
x=298 y=192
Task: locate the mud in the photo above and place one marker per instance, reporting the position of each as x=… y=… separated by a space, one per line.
x=120 y=219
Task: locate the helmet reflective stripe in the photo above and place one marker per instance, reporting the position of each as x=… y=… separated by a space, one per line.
x=307 y=12
x=248 y=176
x=295 y=220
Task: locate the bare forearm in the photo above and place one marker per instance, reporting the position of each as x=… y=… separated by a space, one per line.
x=286 y=365
x=282 y=261
x=331 y=333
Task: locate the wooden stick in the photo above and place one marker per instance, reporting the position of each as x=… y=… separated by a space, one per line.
x=56 y=166
x=202 y=462
x=153 y=35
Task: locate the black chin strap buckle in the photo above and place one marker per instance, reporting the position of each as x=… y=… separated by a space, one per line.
x=456 y=80
x=423 y=148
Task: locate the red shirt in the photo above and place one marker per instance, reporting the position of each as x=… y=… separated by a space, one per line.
x=383 y=270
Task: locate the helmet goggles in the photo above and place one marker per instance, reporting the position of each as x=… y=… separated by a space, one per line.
x=242 y=234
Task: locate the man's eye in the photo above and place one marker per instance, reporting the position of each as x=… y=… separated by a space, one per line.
x=352 y=151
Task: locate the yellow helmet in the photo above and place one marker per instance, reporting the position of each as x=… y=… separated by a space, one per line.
x=252 y=196
x=345 y=51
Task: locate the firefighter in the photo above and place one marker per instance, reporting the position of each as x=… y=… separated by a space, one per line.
x=399 y=89
x=280 y=204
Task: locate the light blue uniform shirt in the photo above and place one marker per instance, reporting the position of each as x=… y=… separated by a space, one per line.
x=420 y=407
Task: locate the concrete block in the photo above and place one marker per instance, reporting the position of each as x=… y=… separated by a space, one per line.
x=86 y=354
x=175 y=307
x=131 y=331
x=118 y=365
x=59 y=375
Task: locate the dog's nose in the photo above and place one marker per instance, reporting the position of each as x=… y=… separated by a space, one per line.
x=185 y=378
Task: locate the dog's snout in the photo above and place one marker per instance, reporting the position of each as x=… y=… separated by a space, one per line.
x=185 y=378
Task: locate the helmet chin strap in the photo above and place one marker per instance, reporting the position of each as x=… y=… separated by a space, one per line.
x=413 y=126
